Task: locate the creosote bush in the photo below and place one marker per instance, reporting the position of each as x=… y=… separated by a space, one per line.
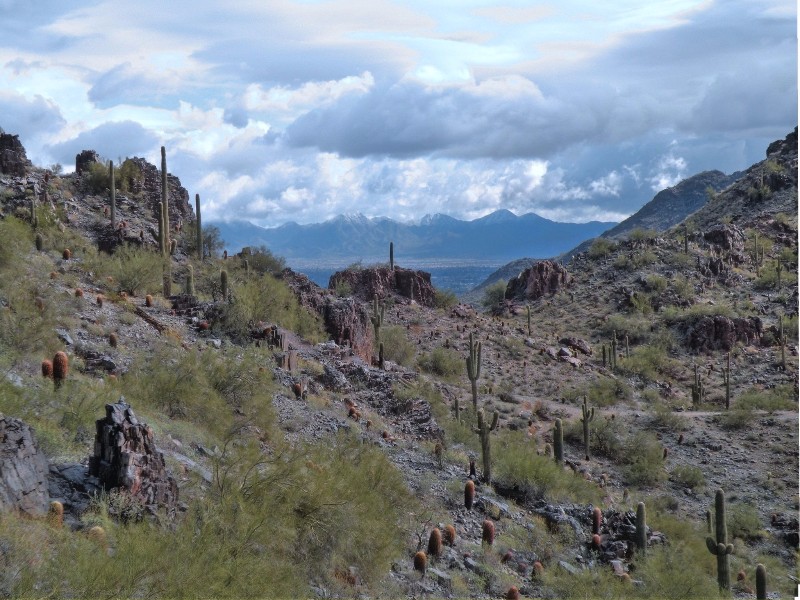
x=397 y=347
x=444 y=362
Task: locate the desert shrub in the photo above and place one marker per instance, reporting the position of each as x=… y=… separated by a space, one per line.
x=656 y=283
x=680 y=260
x=95 y=178
x=607 y=391
x=517 y=464
x=649 y=362
x=688 y=476
x=683 y=288
x=444 y=362
x=262 y=260
x=127 y=175
x=606 y=437
x=494 y=294
x=600 y=248
x=781 y=397
x=642 y=457
x=342 y=289
x=636 y=327
x=643 y=259
x=444 y=299
x=664 y=418
x=17 y=241
x=640 y=234
x=641 y=303
x=736 y=418
x=768 y=278
x=396 y=345
x=744 y=521
x=136 y=270
x=265 y=299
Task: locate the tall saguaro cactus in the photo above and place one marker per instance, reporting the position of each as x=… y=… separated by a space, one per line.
x=165 y=202
x=474 y=368
x=613 y=357
x=113 y=194
x=199 y=227
x=588 y=417
x=726 y=378
x=391 y=256
x=162 y=237
x=483 y=430
x=378 y=310
x=558 y=442
x=698 y=391
x=529 y=319
x=720 y=547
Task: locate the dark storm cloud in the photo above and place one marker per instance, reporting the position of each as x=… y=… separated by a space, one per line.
x=113 y=140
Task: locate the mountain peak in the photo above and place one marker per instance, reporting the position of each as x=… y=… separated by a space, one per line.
x=502 y=215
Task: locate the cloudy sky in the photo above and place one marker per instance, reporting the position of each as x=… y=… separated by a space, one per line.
x=278 y=110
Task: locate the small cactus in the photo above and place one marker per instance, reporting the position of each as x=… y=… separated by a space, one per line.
x=538 y=569
x=596 y=541
x=190 y=280
x=720 y=547
x=487 y=532
x=641 y=528
x=726 y=378
x=113 y=194
x=113 y=340
x=60 y=368
x=98 y=535
x=39 y=242
x=597 y=520
x=469 y=494
x=78 y=293
x=173 y=246
x=148 y=301
x=377 y=318
x=47 y=368
x=435 y=542
x=66 y=254
x=449 y=535
x=421 y=562
x=55 y=514
x=99 y=300
x=512 y=593
x=761 y=582
x=558 y=442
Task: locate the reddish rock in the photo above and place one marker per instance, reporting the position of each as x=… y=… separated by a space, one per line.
x=722 y=333
x=126 y=457
x=346 y=320
x=541 y=278
x=382 y=281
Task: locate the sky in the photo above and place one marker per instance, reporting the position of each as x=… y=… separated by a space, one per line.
x=300 y=110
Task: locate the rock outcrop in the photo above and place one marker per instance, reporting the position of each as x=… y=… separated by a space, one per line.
x=541 y=278
x=13 y=158
x=126 y=457
x=726 y=237
x=84 y=160
x=346 y=320
x=383 y=281
x=721 y=333
x=144 y=180
x=23 y=469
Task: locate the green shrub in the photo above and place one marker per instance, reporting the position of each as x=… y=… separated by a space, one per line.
x=640 y=234
x=444 y=299
x=656 y=283
x=607 y=391
x=600 y=248
x=95 y=178
x=688 y=476
x=636 y=327
x=736 y=418
x=664 y=418
x=494 y=294
x=517 y=464
x=781 y=397
x=262 y=260
x=444 y=362
x=396 y=345
x=643 y=460
x=649 y=362
x=744 y=521
x=136 y=270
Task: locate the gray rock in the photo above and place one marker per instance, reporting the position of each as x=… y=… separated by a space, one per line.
x=64 y=336
x=23 y=469
x=568 y=567
x=441 y=578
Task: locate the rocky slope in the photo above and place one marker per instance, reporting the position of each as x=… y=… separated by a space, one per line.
x=676 y=305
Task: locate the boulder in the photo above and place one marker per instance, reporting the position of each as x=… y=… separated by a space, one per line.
x=578 y=344
x=726 y=237
x=23 y=469
x=126 y=457
x=541 y=278
x=13 y=159
x=721 y=333
x=382 y=281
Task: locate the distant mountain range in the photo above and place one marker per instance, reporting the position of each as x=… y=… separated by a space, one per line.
x=500 y=236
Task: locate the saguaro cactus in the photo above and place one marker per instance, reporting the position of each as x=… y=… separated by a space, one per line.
x=613 y=357
x=164 y=200
x=698 y=391
x=391 y=256
x=474 y=368
x=782 y=342
x=558 y=442
x=378 y=310
x=726 y=378
x=588 y=417
x=529 y=318
x=162 y=237
x=483 y=430
x=720 y=547
x=199 y=231
x=641 y=528
x=113 y=194
x=223 y=282
x=190 y=280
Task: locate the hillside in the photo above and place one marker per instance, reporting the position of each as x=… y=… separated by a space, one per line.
x=345 y=239
x=294 y=464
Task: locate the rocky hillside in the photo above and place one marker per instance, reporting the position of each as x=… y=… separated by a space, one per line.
x=247 y=437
